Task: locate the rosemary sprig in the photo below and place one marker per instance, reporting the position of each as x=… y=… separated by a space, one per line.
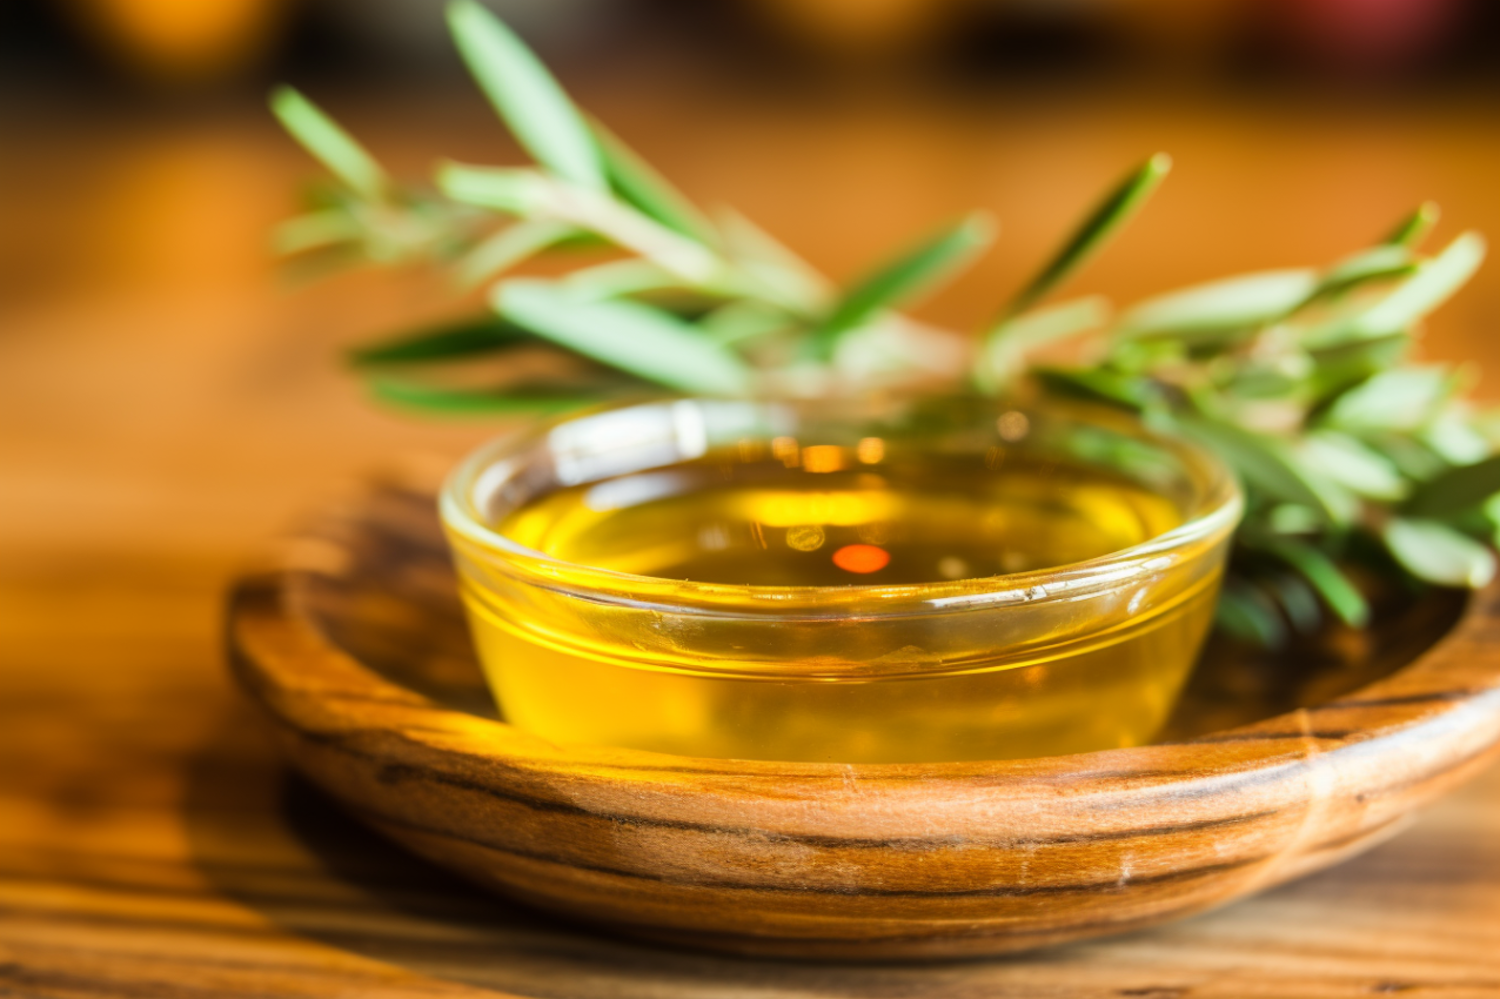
x=1353 y=455
x=691 y=304
x=1355 y=458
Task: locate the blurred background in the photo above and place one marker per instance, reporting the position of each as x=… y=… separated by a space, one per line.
x=168 y=398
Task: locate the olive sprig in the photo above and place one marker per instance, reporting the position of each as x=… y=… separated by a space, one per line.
x=1355 y=457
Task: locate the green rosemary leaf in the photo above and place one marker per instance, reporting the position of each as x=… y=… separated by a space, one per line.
x=777 y=273
x=915 y=270
x=513 y=190
x=743 y=319
x=1244 y=612
x=1133 y=392
x=618 y=278
x=1454 y=439
x=521 y=399
x=1336 y=369
x=1058 y=322
x=1005 y=353
x=540 y=115
x=481 y=335
x=1455 y=490
x=315 y=231
x=1131 y=458
x=1433 y=282
x=509 y=247
x=626 y=335
x=1412 y=458
x=1272 y=466
x=528 y=193
x=1218 y=307
x=1400 y=399
x=1411 y=230
x=1437 y=553
x=1491 y=512
x=1353 y=465
x=1103 y=222
x=1292 y=518
x=634 y=180
x=1379 y=262
x=335 y=148
x=1145 y=356
x=1298 y=601
x=1332 y=586
x=1258 y=381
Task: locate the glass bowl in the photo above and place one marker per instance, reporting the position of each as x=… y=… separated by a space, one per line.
x=1086 y=653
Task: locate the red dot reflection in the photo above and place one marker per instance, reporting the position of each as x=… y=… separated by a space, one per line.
x=861 y=558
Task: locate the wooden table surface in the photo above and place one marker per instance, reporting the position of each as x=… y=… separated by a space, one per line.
x=166 y=404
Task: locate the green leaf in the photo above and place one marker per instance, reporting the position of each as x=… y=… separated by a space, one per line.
x=915 y=270
x=1293 y=518
x=513 y=190
x=1336 y=369
x=482 y=402
x=1437 y=553
x=1332 y=586
x=315 y=231
x=1352 y=464
x=1271 y=465
x=743 y=319
x=1433 y=283
x=1455 y=490
x=626 y=335
x=540 y=115
x=1414 y=459
x=1244 y=612
x=1259 y=381
x=1491 y=513
x=335 y=148
x=1411 y=230
x=483 y=335
x=509 y=247
x=1103 y=222
x=1005 y=353
x=778 y=274
x=618 y=278
x=634 y=180
x=1452 y=437
x=1399 y=399
x=1131 y=391
x=528 y=193
x=1237 y=303
x=1379 y=262
x=1298 y=601
x=1144 y=356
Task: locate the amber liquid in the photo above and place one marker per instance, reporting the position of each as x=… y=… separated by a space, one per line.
x=831 y=520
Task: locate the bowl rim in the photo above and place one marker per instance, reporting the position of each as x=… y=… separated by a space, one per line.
x=1218 y=513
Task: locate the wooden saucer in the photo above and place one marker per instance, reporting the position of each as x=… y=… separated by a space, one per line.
x=354 y=645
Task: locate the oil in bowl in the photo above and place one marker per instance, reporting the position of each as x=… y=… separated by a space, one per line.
x=892 y=582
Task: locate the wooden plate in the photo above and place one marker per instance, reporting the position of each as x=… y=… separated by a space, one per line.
x=355 y=646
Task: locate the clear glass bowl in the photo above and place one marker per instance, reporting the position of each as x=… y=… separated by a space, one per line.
x=1084 y=655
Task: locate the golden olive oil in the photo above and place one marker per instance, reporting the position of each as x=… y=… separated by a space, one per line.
x=780 y=517
x=765 y=524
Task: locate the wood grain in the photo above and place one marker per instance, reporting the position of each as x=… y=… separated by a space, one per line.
x=820 y=860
